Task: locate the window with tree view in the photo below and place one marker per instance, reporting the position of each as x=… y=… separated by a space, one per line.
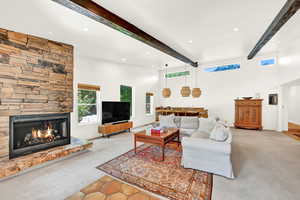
x=126 y=95
x=87 y=106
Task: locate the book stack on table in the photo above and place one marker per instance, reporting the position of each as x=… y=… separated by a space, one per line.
x=157 y=131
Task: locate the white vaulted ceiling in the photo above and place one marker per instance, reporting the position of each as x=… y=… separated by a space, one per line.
x=201 y=30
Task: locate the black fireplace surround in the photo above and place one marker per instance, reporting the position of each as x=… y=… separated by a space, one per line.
x=33 y=133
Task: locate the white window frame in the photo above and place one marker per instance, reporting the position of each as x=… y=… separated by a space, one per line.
x=97 y=104
x=151 y=105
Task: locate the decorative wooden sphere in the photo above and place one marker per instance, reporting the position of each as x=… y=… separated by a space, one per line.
x=166 y=92
x=185 y=91
x=196 y=93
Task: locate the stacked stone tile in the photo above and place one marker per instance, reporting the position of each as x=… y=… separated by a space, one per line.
x=36 y=77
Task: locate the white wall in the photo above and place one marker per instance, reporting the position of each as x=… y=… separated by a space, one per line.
x=293 y=104
x=110 y=76
x=219 y=89
x=289 y=63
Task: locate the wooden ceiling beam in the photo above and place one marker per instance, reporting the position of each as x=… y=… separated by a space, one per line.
x=288 y=10
x=104 y=16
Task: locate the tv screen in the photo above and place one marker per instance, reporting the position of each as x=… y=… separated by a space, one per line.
x=115 y=111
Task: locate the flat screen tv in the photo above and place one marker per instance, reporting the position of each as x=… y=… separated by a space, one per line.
x=115 y=111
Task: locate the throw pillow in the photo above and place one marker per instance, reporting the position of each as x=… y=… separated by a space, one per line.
x=167 y=121
x=219 y=133
x=187 y=132
x=229 y=138
x=206 y=124
x=177 y=121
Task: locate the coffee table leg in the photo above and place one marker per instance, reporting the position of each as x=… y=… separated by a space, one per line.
x=178 y=140
x=134 y=145
x=163 y=152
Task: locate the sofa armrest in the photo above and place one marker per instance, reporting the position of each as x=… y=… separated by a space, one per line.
x=199 y=144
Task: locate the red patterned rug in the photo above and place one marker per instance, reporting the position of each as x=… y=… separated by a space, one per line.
x=166 y=178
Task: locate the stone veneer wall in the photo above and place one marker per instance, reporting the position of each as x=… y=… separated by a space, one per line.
x=36 y=77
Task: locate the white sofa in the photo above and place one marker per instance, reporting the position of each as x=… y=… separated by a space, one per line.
x=199 y=151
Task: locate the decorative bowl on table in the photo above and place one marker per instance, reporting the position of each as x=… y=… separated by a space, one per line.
x=247 y=98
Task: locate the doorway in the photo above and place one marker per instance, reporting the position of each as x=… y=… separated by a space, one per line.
x=291 y=109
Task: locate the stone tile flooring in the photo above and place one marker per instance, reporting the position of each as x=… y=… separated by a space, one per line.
x=108 y=188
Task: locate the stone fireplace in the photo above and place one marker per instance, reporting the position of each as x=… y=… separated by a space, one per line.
x=36 y=82
x=36 y=99
x=33 y=133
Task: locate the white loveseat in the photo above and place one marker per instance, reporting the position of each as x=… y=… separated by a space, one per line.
x=199 y=151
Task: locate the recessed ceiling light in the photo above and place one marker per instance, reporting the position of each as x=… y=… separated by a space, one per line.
x=236 y=29
x=85 y=29
x=285 y=60
x=190 y=41
x=124 y=59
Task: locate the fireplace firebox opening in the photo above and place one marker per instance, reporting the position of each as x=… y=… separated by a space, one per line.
x=32 y=133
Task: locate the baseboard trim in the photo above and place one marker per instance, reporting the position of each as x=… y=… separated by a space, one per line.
x=143 y=125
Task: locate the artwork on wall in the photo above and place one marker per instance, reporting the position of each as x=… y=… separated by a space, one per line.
x=273 y=99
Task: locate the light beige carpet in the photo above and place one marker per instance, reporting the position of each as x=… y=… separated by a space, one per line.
x=267 y=166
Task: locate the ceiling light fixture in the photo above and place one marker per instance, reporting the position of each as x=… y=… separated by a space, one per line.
x=285 y=60
x=190 y=41
x=85 y=29
x=124 y=59
x=236 y=29
x=166 y=92
x=196 y=92
x=185 y=90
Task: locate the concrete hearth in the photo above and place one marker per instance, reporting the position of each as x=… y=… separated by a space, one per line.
x=17 y=165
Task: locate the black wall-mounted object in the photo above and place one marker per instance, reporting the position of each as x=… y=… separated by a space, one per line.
x=273 y=99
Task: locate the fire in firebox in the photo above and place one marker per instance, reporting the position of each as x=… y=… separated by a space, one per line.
x=42 y=135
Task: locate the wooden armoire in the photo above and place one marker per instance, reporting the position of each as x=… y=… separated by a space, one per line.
x=248 y=114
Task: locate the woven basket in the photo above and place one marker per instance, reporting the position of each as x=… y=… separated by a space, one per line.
x=185 y=91
x=196 y=93
x=166 y=92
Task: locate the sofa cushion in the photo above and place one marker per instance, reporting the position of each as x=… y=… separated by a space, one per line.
x=189 y=123
x=219 y=133
x=167 y=121
x=198 y=134
x=206 y=124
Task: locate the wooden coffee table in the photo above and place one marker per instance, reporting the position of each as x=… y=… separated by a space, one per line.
x=161 y=140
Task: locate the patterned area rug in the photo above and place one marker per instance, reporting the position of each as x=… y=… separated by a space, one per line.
x=166 y=178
